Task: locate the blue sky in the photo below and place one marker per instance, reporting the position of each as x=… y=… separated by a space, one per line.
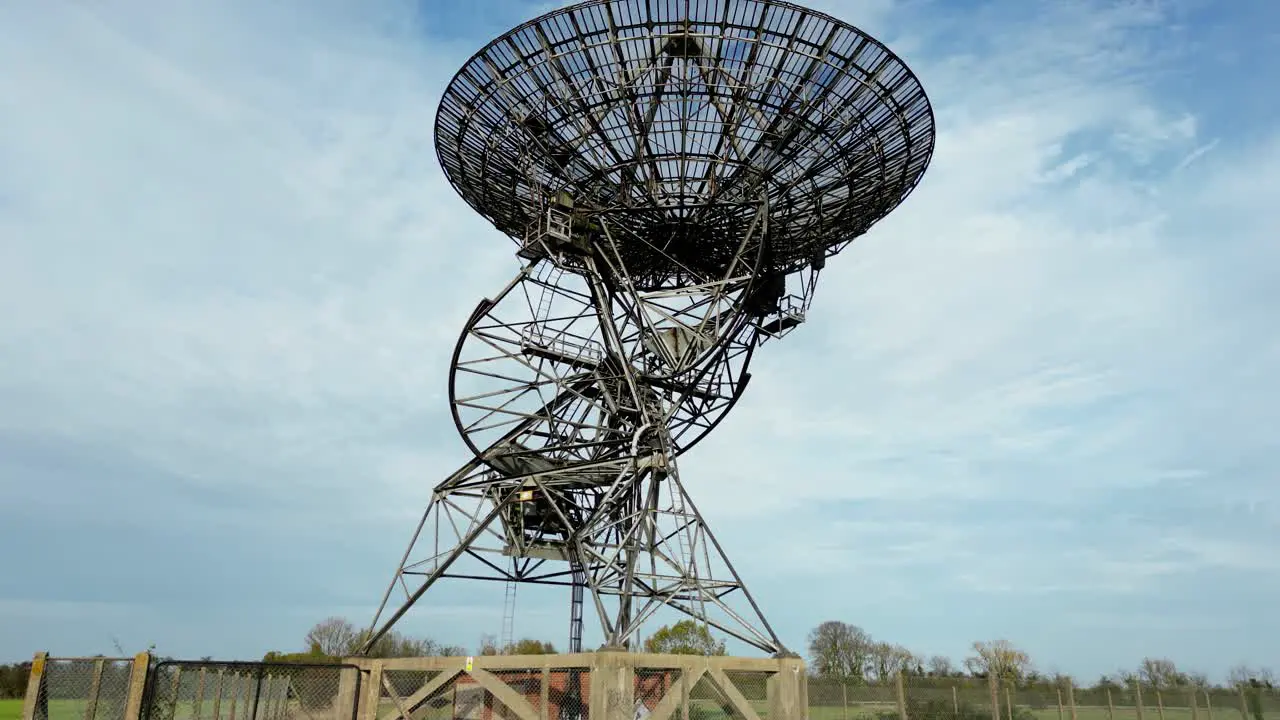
x=1037 y=402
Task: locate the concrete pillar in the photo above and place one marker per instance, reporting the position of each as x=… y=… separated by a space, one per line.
x=786 y=691
x=613 y=686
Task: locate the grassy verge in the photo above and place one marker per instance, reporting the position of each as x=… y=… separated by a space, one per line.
x=10 y=709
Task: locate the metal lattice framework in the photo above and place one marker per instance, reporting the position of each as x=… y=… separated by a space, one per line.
x=675 y=173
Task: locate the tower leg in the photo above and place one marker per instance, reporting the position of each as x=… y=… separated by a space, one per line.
x=642 y=546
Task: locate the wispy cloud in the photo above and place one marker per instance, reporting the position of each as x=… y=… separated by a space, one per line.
x=234 y=275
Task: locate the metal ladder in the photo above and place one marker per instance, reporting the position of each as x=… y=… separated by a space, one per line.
x=507 y=640
x=680 y=512
x=575 y=606
x=549 y=279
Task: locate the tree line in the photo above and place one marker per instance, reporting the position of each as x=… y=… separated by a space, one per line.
x=335 y=638
x=845 y=652
x=836 y=651
x=13 y=680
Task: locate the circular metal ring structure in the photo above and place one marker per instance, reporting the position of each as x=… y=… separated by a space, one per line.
x=668 y=114
x=532 y=368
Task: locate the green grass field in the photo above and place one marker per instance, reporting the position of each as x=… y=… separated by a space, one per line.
x=73 y=710
x=10 y=709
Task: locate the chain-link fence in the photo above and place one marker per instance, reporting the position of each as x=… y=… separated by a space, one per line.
x=251 y=691
x=924 y=698
x=468 y=692
x=701 y=693
x=604 y=686
x=82 y=689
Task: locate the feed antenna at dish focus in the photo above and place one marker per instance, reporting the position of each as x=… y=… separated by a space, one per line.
x=675 y=174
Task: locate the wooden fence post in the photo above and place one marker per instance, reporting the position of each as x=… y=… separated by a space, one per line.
x=544 y=691
x=902 y=698
x=1208 y=704
x=955 y=701
x=95 y=689
x=137 y=685
x=1160 y=704
x=993 y=684
x=1071 y=698
x=1060 y=704
x=1008 y=703
x=1111 y=707
x=1137 y=689
x=1195 y=711
x=34 y=698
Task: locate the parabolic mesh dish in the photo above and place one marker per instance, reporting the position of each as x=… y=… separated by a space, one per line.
x=669 y=114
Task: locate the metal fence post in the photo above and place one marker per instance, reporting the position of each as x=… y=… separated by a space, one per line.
x=33 y=698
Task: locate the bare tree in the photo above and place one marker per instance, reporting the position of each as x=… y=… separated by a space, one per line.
x=333 y=636
x=1240 y=675
x=999 y=658
x=1197 y=680
x=1160 y=673
x=889 y=660
x=941 y=666
x=838 y=649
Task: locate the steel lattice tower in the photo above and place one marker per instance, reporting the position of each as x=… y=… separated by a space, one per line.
x=675 y=174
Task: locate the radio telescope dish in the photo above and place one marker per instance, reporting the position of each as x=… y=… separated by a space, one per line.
x=675 y=174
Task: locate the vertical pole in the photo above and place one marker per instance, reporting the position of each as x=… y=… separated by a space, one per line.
x=1208 y=704
x=1071 y=697
x=137 y=685
x=1008 y=703
x=35 y=697
x=95 y=689
x=1195 y=711
x=374 y=695
x=992 y=684
x=684 y=691
x=544 y=691
x=195 y=707
x=844 y=700
x=235 y=696
x=1137 y=688
x=174 y=687
x=1244 y=706
x=1111 y=707
x=257 y=690
x=902 y=697
x=1060 y=703
x=217 y=696
x=955 y=701
x=1160 y=704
